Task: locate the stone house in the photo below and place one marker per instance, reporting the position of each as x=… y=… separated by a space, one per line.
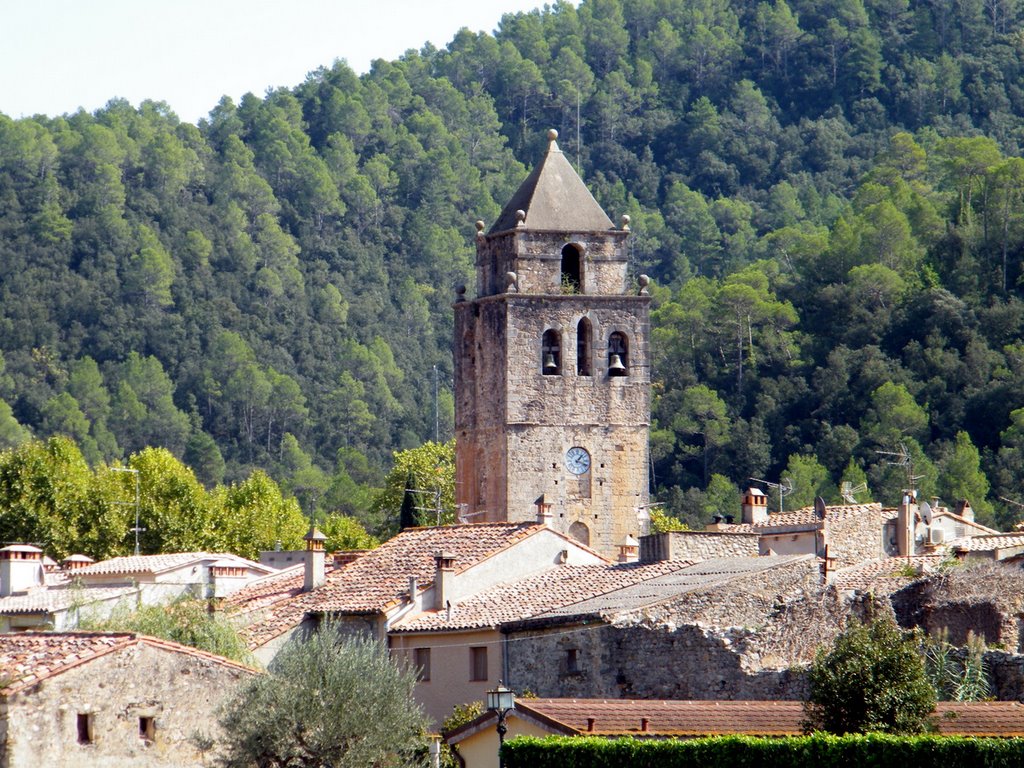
x=33 y=596
x=418 y=570
x=109 y=700
x=476 y=742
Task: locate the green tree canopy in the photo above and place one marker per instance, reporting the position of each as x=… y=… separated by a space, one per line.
x=872 y=679
x=327 y=701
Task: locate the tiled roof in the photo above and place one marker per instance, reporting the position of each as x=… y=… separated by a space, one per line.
x=380 y=578
x=159 y=563
x=625 y=717
x=989 y=542
x=884 y=575
x=58 y=598
x=557 y=586
x=622 y=717
x=29 y=657
x=703 y=575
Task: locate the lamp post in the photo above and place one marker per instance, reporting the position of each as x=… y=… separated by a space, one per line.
x=501 y=701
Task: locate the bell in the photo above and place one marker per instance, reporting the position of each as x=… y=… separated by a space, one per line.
x=550 y=366
x=615 y=366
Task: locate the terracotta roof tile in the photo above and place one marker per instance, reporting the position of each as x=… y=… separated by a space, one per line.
x=57 y=598
x=380 y=578
x=989 y=542
x=158 y=563
x=625 y=717
x=29 y=657
x=557 y=586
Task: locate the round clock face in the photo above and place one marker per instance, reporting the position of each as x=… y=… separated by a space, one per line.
x=577 y=460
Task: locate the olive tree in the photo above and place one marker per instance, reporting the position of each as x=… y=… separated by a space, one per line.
x=327 y=701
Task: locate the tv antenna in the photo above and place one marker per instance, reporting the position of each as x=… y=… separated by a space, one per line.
x=902 y=458
x=784 y=487
x=849 y=491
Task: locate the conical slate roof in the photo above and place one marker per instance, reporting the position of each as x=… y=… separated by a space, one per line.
x=554 y=197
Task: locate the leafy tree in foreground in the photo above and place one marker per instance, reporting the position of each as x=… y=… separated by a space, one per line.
x=871 y=680
x=343 y=703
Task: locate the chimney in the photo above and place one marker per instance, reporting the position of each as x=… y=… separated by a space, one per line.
x=906 y=521
x=345 y=556
x=76 y=562
x=629 y=550
x=444 y=579
x=965 y=510
x=414 y=587
x=644 y=722
x=21 y=568
x=543 y=510
x=314 y=559
x=755 y=506
x=590 y=724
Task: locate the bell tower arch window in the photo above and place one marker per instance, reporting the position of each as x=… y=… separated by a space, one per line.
x=618 y=354
x=572 y=269
x=583 y=337
x=551 y=353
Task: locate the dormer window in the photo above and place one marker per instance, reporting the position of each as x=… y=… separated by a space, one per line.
x=551 y=353
x=618 y=355
x=572 y=269
x=583 y=336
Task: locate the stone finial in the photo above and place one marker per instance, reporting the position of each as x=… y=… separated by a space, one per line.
x=512 y=282
x=460 y=293
x=552 y=134
x=479 y=229
x=520 y=218
x=643 y=281
x=625 y=222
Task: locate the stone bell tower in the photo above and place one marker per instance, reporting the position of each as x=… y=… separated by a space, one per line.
x=552 y=373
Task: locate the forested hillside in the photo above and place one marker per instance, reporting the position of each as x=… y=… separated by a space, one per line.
x=827 y=196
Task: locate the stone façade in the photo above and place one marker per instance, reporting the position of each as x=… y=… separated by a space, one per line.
x=552 y=355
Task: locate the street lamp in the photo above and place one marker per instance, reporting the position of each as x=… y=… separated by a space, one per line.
x=501 y=701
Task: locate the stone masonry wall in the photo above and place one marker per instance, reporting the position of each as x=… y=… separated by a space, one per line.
x=180 y=691
x=854 y=537
x=714 y=643
x=697 y=545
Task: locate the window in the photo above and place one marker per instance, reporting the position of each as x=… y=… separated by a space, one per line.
x=572 y=269
x=618 y=355
x=147 y=728
x=84 y=728
x=478 y=664
x=583 y=347
x=421 y=660
x=551 y=353
x=572 y=660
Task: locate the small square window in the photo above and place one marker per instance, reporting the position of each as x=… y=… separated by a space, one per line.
x=421 y=660
x=84 y=722
x=147 y=728
x=478 y=664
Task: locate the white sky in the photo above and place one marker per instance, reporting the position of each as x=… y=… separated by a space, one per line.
x=59 y=55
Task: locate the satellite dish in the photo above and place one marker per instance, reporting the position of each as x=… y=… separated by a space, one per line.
x=926 y=513
x=819 y=507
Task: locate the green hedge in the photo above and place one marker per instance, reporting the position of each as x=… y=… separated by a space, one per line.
x=818 y=751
